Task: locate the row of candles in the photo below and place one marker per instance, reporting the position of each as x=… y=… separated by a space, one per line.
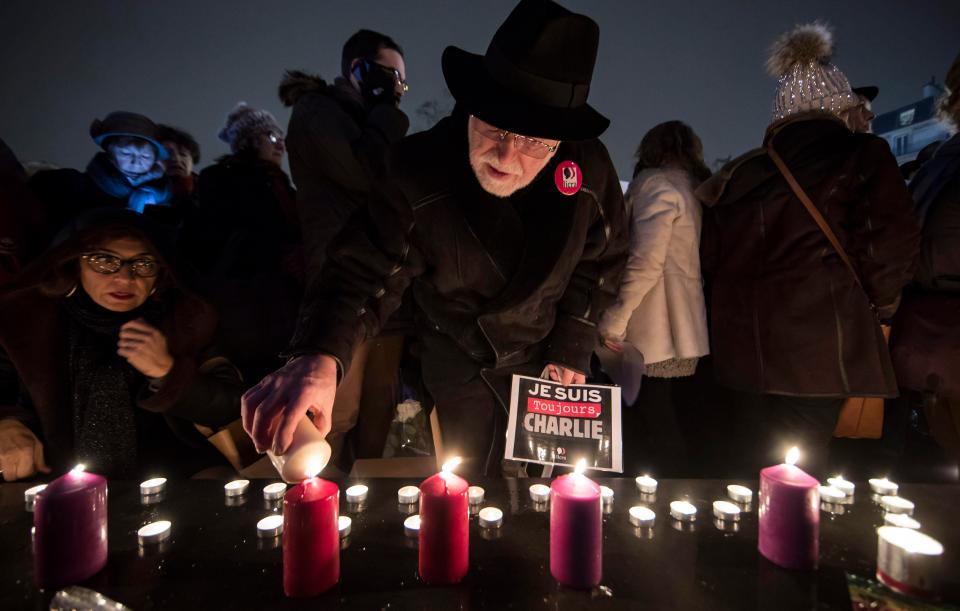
x=70 y=542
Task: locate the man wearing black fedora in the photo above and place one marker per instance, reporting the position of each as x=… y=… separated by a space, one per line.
x=506 y=220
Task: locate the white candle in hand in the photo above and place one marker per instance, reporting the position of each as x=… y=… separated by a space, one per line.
x=306 y=456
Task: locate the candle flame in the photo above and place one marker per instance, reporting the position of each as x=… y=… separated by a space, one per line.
x=581 y=467
x=314 y=467
x=451 y=464
x=80 y=468
x=793 y=456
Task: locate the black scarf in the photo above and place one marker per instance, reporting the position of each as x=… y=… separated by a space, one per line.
x=104 y=386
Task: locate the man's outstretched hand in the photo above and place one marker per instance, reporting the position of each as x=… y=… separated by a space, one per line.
x=272 y=409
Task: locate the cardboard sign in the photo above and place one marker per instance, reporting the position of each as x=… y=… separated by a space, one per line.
x=553 y=424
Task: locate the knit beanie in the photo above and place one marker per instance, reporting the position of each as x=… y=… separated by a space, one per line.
x=806 y=80
x=244 y=124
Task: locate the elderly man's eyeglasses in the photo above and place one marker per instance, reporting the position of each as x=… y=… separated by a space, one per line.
x=103 y=263
x=394 y=73
x=530 y=147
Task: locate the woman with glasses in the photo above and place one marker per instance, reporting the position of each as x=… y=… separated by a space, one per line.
x=106 y=358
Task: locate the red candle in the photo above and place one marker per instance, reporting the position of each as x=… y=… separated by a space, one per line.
x=789 y=515
x=576 y=530
x=70 y=517
x=444 y=527
x=311 y=538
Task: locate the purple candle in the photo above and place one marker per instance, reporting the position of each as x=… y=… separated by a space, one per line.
x=70 y=517
x=576 y=530
x=789 y=515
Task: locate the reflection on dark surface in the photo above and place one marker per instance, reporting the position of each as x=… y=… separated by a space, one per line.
x=216 y=561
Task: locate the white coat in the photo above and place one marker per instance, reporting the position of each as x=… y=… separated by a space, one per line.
x=660 y=306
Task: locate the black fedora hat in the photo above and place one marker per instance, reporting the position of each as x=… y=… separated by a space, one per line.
x=870 y=92
x=535 y=76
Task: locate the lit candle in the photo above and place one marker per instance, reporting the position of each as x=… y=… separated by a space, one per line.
x=357 y=493
x=70 y=517
x=900 y=520
x=270 y=527
x=237 y=487
x=830 y=494
x=311 y=541
x=646 y=484
x=411 y=526
x=476 y=495
x=740 y=494
x=30 y=496
x=908 y=561
x=273 y=492
x=789 y=515
x=540 y=493
x=153 y=533
x=642 y=517
x=153 y=486
x=883 y=487
x=345 y=525
x=848 y=488
x=444 y=527
x=307 y=451
x=491 y=517
x=576 y=530
x=896 y=504
x=726 y=511
x=683 y=511
x=408 y=495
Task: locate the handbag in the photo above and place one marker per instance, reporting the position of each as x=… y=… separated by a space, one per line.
x=860 y=417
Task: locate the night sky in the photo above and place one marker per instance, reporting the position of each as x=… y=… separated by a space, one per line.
x=188 y=62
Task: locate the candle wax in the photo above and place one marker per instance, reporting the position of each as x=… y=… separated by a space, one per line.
x=789 y=517
x=311 y=540
x=444 y=529
x=576 y=531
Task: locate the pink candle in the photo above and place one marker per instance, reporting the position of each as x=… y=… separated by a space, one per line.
x=311 y=538
x=70 y=517
x=789 y=515
x=576 y=530
x=444 y=527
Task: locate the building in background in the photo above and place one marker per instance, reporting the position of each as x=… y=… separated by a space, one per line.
x=910 y=128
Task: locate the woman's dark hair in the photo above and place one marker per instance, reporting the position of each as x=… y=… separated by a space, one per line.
x=365 y=44
x=675 y=144
x=166 y=133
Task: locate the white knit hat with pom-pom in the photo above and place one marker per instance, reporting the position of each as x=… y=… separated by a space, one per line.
x=800 y=59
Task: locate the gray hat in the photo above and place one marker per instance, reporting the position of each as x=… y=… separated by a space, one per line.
x=244 y=124
x=122 y=123
x=806 y=80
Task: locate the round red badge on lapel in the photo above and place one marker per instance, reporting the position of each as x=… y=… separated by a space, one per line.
x=568 y=178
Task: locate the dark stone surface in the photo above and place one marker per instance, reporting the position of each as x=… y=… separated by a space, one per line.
x=214 y=559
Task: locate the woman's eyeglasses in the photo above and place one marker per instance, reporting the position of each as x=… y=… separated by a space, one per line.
x=103 y=263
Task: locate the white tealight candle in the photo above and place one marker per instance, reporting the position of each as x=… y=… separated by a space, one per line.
x=740 y=494
x=896 y=504
x=606 y=495
x=154 y=532
x=829 y=494
x=237 y=487
x=345 y=524
x=883 y=487
x=642 y=517
x=357 y=493
x=475 y=495
x=908 y=561
x=153 y=486
x=30 y=495
x=646 y=484
x=411 y=526
x=900 y=520
x=491 y=517
x=270 y=527
x=847 y=488
x=540 y=493
x=683 y=511
x=726 y=511
x=408 y=495
x=273 y=492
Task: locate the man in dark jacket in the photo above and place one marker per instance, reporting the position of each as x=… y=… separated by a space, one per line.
x=513 y=244
x=791 y=329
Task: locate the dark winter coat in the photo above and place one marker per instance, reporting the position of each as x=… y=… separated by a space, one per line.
x=336 y=146
x=428 y=226
x=245 y=242
x=787 y=315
